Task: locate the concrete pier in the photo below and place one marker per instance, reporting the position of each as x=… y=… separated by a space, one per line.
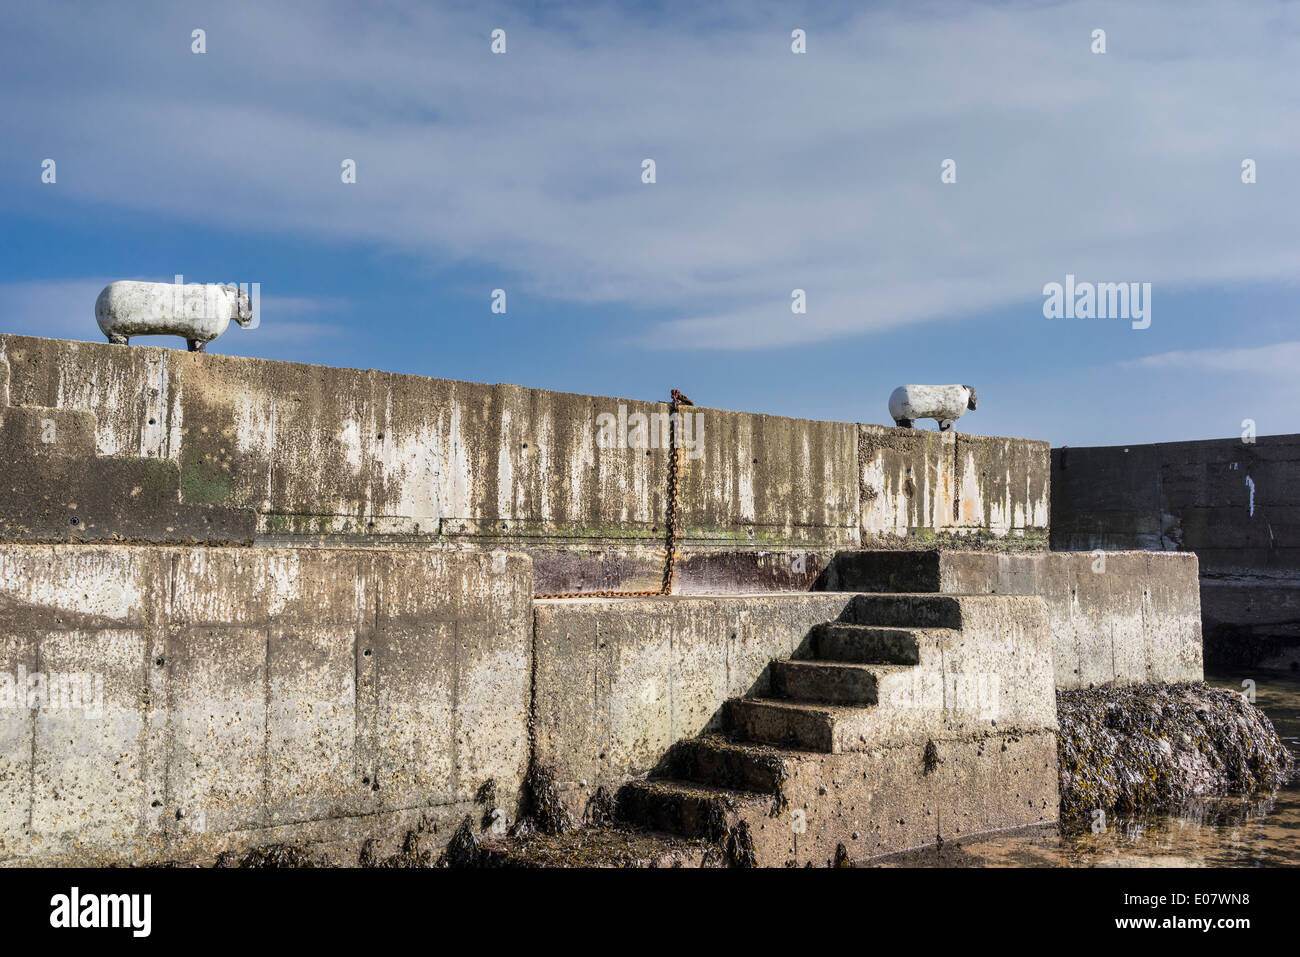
x=305 y=602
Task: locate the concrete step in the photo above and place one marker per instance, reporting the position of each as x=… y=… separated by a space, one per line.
x=92 y=483
x=35 y=432
x=832 y=682
x=719 y=762
x=620 y=847
x=905 y=611
x=176 y=523
x=791 y=724
x=183 y=523
x=691 y=810
x=883 y=571
x=813 y=726
x=866 y=644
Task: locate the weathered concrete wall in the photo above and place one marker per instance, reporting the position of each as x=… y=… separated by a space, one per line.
x=618 y=682
x=1125 y=617
x=55 y=487
x=918 y=487
x=328 y=455
x=320 y=450
x=254 y=695
x=1235 y=504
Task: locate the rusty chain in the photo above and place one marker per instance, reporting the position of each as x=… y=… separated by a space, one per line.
x=670 y=533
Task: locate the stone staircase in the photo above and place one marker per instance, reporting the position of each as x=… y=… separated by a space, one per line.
x=786 y=767
x=911 y=719
x=55 y=487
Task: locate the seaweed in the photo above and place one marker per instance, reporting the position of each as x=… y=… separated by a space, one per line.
x=543 y=807
x=931 y=759
x=601 y=809
x=463 y=850
x=740 y=846
x=272 y=855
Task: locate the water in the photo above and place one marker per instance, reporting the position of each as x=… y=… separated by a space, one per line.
x=1259 y=830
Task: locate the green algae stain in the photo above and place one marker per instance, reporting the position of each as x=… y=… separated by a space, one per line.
x=203 y=482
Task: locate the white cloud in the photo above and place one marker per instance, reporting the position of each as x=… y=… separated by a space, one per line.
x=1279 y=359
x=775 y=171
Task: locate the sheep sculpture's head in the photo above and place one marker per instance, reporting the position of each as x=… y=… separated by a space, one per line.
x=243 y=313
x=970 y=403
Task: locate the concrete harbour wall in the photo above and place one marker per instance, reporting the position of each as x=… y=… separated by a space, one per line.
x=340 y=456
x=251 y=696
x=254 y=695
x=379 y=660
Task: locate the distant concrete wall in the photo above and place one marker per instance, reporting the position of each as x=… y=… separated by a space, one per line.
x=1235 y=504
x=618 y=682
x=328 y=455
x=1125 y=617
x=248 y=696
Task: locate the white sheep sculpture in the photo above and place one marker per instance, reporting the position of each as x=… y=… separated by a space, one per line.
x=946 y=403
x=198 y=313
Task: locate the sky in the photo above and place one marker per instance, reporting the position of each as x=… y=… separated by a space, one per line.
x=774 y=171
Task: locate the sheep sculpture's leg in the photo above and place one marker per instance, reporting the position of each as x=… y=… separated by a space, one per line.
x=945 y=425
x=903 y=423
x=116 y=340
x=197 y=345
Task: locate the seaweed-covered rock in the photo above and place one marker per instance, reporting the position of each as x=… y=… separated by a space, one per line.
x=1137 y=748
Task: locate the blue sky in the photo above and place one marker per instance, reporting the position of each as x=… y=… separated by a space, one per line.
x=775 y=171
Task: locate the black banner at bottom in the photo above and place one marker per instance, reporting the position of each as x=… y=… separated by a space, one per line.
x=369 y=906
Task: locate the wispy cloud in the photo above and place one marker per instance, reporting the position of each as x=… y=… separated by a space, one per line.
x=1279 y=359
